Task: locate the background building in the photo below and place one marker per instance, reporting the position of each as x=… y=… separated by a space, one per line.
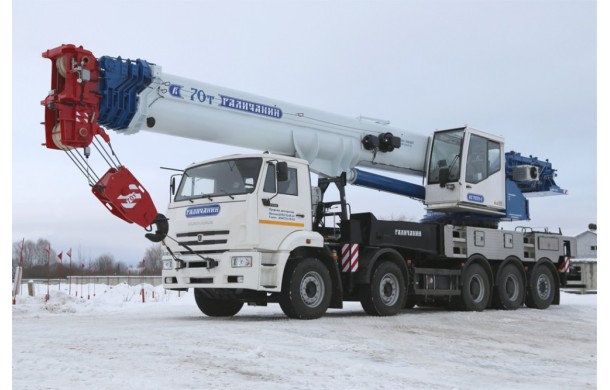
x=586 y=243
x=583 y=268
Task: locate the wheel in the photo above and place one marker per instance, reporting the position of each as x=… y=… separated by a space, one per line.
x=306 y=290
x=510 y=288
x=216 y=307
x=541 y=289
x=476 y=291
x=386 y=294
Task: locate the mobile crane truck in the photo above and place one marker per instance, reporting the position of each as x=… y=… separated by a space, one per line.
x=251 y=229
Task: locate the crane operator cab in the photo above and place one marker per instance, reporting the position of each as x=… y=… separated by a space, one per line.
x=466 y=172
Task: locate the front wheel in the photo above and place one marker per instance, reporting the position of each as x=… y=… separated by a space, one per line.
x=541 y=289
x=216 y=307
x=306 y=291
x=386 y=294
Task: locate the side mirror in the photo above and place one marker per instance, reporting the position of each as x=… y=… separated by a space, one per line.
x=281 y=169
x=172 y=185
x=281 y=175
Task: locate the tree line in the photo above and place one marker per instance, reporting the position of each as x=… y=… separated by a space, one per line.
x=38 y=262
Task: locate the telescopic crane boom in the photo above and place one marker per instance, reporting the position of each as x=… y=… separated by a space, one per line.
x=90 y=95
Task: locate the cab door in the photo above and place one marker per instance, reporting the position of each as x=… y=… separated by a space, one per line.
x=483 y=172
x=285 y=203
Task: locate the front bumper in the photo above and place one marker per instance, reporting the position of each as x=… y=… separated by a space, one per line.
x=231 y=270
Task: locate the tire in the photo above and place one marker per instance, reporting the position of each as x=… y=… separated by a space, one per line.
x=541 y=289
x=476 y=290
x=306 y=290
x=386 y=294
x=215 y=307
x=510 y=286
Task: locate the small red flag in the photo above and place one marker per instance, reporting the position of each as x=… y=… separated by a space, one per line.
x=60 y=255
x=69 y=253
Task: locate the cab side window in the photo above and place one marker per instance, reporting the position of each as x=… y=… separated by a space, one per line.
x=288 y=187
x=270 y=179
x=483 y=159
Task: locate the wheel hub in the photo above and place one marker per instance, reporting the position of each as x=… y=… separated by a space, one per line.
x=510 y=287
x=477 y=288
x=388 y=289
x=543 y=287
x=312 y=289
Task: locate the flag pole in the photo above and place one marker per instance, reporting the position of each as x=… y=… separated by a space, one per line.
x=46 y=298
x=59 y=270
x=89 y=281
x=82 y=278
x=69 y=253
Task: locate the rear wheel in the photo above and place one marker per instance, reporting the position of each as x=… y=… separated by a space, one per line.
x=306 y=291
x=510 y=288
x=386 y=294
x=541 y=289
x=476 y=291
x=216 y=307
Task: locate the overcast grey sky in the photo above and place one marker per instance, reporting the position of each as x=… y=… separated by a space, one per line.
x=522 y=69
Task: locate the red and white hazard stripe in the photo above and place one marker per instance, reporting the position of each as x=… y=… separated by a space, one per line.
x=349 y=257
x=565 y=267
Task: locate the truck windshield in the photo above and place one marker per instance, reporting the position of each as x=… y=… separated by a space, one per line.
x=220 y=178
x=446 y=153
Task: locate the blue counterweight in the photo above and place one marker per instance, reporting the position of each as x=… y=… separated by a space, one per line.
x=539 y=177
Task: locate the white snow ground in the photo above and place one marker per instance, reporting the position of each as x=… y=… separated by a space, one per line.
x=114 y=340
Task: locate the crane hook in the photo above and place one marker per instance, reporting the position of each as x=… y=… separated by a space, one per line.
x=162 y=225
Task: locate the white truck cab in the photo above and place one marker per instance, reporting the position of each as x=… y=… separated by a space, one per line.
x=235 y=221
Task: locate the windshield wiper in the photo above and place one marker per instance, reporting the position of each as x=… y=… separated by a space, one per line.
x=455 y=159
x=229 y=195
x=209 y=197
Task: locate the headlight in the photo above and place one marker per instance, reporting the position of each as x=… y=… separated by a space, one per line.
x=167 y=264
x=241 y=261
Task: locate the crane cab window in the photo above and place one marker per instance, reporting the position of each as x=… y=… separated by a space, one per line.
x=446 y=155
x=483 y=159
x=288 y=187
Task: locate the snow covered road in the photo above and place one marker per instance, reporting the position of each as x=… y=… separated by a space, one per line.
x=114 y=340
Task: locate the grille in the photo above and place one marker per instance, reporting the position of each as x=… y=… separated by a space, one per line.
x=209 y=237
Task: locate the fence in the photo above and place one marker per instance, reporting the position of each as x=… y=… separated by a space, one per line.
x=108 y=280
x=143 y=288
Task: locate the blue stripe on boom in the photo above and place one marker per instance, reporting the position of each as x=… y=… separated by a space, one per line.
x=387 y=184
x=120 y=83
